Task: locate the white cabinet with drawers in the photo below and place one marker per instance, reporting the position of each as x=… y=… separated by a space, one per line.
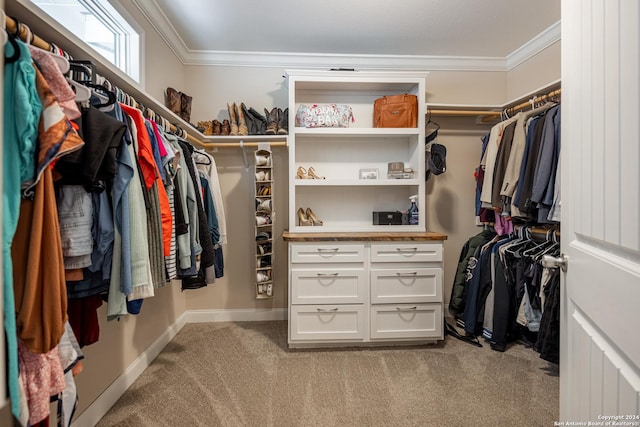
x=364 y=292
x=352 y=280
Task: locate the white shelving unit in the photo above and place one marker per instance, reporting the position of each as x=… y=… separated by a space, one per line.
x=352 y=282
x=342 y=200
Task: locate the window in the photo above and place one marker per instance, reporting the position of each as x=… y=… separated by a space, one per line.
x=102 y=27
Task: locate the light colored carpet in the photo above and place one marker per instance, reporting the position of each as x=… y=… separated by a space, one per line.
x=241 y=374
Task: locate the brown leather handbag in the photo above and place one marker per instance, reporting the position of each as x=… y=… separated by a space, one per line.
x=396 y=111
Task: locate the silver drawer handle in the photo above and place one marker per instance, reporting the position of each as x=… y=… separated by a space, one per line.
x=412 y=274
x=328 y=250
x=327 y=274
x=407 y=308
x=325 y=310
x=406 y=249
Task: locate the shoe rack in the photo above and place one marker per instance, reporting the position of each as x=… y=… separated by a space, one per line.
x=265 y=216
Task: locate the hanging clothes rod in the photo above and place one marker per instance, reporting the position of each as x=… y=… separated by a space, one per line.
x=535 y=100
x=240 y=144
x=487 y=116
x=439 y=112
x=539 y=233
x=531 y=103
x=25 y=34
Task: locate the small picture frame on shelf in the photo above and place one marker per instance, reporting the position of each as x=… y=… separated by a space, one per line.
x=369 y=173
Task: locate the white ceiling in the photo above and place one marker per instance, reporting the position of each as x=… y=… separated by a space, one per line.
x=201 y=29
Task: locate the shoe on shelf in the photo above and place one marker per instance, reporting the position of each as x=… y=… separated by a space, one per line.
x=270 y=289
x=208 y=127
x=265 y=261
x=262 y=219
x=313 y=218
x=263 y=205
x=242 y=123
x=312 y=174
x=263 y=176
x=301 y=173
x=233 y=120
x=262 y=161
x=283 y=121
x=262 y=276
x=185 y=107
x=252 y=125
x=272 y=121
x=303 y=219
x=173 y=101
x=264 y=249
x=225 y=129
x=263 y=236
x=216 y=127
x=263 y=158
x=259 y=121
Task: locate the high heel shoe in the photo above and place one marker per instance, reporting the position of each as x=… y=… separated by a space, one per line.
x=301 y=173
x=313 y=218
x=302 y=218
x=312 y=174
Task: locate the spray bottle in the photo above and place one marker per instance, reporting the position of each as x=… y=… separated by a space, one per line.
x=414 y=216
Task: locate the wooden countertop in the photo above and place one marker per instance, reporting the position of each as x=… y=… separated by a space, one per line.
x=365 y=236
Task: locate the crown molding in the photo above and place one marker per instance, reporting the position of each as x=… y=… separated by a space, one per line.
x=319 y=60
x=534 y=46
x=161 y=23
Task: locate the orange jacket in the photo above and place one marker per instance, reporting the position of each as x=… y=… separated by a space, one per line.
x=151 y=173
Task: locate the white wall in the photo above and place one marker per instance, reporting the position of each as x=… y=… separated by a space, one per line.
x=450 y=197
x=534 y=73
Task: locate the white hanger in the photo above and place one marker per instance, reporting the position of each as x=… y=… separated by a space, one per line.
x=103 y=98
x=83 y=93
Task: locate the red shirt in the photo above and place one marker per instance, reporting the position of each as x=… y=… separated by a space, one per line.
x=151 y=173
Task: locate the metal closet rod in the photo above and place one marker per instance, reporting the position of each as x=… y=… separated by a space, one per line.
x=439 y=112
x=241 y=144
x=540 y=232
x=23 y=33
x=489 y=115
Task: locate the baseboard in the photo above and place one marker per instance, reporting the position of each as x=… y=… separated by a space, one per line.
x=110 y=396
x=239 y=315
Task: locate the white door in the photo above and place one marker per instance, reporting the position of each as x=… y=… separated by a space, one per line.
x=600 y=317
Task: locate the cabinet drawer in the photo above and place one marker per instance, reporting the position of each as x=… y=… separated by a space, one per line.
x=406 y=285
x=406 y=321
x=406 y=252
x=327 y=322
x=326 y=253
x=328 y=286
